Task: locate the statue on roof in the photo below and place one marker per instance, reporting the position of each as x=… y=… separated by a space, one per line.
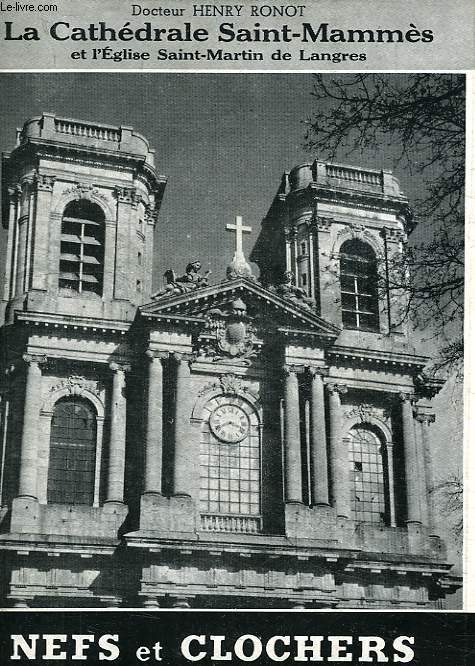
x=189 y=281
x=288 y=290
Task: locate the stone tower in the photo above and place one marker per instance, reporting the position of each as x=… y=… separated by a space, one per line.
x=239 y=444
x=322 y=208
x=82 y=204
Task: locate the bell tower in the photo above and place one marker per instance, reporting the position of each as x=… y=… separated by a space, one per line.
x=338 y=230
x=83 y=200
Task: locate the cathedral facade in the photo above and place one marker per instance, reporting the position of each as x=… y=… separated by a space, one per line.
x=250 y=443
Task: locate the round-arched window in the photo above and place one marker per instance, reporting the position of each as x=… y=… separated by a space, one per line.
x=359 y=286
x=230 y=458
x=72 y=453
x=367 y=476
x=81 y=264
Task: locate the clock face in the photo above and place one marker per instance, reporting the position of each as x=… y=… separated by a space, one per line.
x=229 y=423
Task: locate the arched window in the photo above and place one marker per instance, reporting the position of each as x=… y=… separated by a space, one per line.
x=368 y=476
x=359 y=286
x=72 y=453
x=81 y=264
x=230 y=466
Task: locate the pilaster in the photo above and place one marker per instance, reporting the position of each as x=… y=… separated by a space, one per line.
x=124 y=281
x=184 y=454
x=41 y=200
x=10 y=259
x=326 y=287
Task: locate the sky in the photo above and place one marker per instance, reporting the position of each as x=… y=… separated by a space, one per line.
x=224 y=141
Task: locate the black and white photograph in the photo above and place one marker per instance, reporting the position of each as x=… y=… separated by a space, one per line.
x=232 y=340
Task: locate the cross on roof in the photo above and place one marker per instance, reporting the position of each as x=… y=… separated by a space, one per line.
x=240 y=229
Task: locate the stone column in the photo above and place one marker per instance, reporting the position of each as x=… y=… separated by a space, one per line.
x=29 y=440
x=292 y=447
x=318 y=441
x=184 y=455
x=339 y=459
x=410 y=461
x=147 y=268
x=41 y=226
x=116 y=468
x=154 y=433
x=327 y=288
x=428 y=469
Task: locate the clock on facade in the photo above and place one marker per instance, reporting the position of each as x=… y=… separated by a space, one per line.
x=229 y=423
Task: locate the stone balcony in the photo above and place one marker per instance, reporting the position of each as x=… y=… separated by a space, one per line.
x=97 y=136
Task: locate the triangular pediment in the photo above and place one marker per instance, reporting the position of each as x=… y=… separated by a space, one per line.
x=200 y=304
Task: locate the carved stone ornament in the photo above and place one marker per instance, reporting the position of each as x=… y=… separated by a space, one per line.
x=323 y=224
x=229 y=384
x=393 y=235
x=229 y=334
x=44 y=182
x=84 y=191
x=14 y=192
x=426 y=419
x=357 y=231
x=76 y=384
x=287 y=290
x=339 y=389
x=151 y=214
x=127 y=195
x=365 y=412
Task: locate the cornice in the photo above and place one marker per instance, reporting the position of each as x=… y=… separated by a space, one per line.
x=86 y=155
x=356 y=198
x=72 y=323
x=166 y=305
x=281 y=547
x=377 y=358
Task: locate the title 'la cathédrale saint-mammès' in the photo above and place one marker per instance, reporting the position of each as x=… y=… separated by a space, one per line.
x=249 y=443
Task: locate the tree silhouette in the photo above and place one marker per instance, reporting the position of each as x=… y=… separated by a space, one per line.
x=422 y=118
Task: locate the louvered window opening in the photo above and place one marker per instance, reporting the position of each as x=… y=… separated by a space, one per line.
x=72 y=455
x=81 y=267
x=359 y=287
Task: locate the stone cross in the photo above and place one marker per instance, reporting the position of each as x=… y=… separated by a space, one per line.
x=240 y=229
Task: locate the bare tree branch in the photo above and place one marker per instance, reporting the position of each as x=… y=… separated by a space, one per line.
x=422 y=118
